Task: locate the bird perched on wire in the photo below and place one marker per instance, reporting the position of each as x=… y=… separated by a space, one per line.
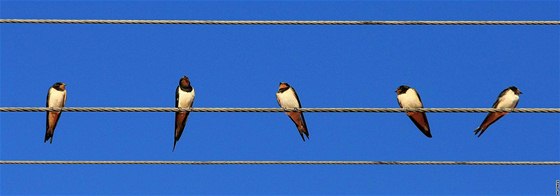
x=287 y=99
x=184 y=98
x=507 y=99
x=409 y=98
x=56 y=98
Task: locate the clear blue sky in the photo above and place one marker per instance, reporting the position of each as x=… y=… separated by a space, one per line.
x=241 y=66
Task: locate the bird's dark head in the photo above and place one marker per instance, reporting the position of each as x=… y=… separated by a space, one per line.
x=184 y=82
x=59 y=86
x=515 y=90
x=283 y=86
x=402 y=89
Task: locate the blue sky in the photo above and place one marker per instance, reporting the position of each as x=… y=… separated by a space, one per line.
x=241 y=66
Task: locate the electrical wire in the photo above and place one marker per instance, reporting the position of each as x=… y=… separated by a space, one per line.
x=280 y=162
x=375 y=110
x=275 y=22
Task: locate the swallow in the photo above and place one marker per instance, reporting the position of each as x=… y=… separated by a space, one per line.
x=56 y=98
x=184 y=98
x=508 y=98
x=287 y=98
x=409 y=98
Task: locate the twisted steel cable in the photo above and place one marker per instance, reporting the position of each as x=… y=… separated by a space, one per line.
x=280 y=162
x=375 y=110
x=273 y=22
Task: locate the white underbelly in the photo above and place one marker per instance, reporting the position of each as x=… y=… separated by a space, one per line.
x=409 y=100
x=508 y=101
x=56 y=98
x=288 y=99
x=185 y=99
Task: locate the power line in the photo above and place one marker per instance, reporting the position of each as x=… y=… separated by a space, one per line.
x=281 y=162
x=278 y=22
x=374 y=110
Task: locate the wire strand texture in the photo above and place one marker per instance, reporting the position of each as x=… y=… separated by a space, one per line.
x=374 y=110
x=280 y=162
x=274 y=22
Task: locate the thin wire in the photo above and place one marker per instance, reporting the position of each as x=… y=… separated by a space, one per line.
x=274 y=22
x=282 y=162
x=375 y=110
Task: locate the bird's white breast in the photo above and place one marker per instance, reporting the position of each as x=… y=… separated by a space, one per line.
x=185 y=98
x=508 y=100
x=56 y=98
x=409 y=99
x=288 y=99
